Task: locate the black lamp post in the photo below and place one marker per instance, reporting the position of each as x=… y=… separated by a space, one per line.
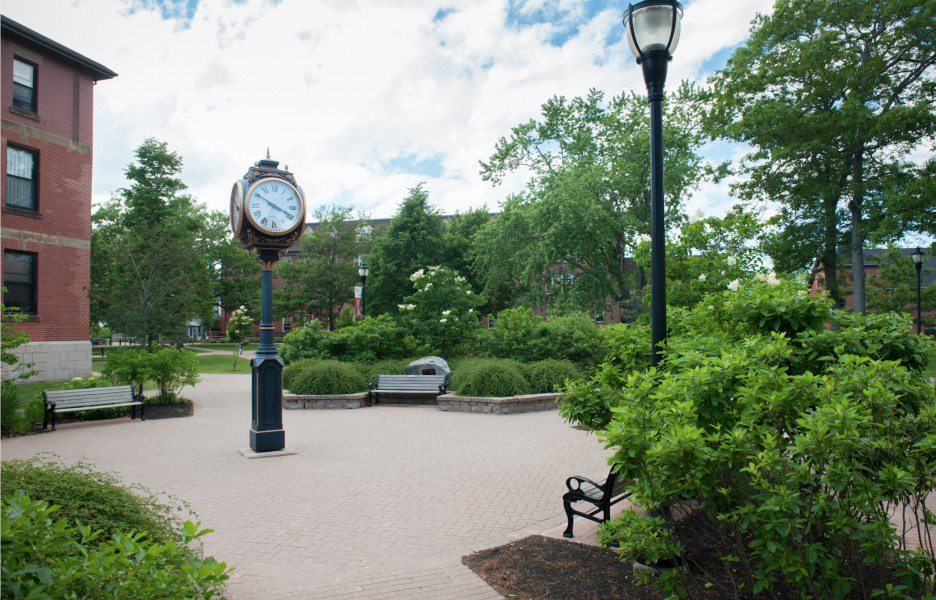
x=918 y=257
x=363 y=272
x=653 y=28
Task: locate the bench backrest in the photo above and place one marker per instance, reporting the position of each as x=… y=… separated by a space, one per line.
x=89 y=397
x=415 y=383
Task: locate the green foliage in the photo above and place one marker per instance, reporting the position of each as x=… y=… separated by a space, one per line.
x=517 y=333
x=795 y=439
x=830 y=99
x=171 y=369
x=573 y=337
x=92 y=497
x=239 y=327
x=412 y=241
x=346 y=318
x=46 y=558
x=150 y=251
x=442 y=313
x=563 y=242
x=396 y=366
x=323 y=277
x=324 y=377
x=550 y=375
x=489 y=378
x=372 y=338
x=10 y=338
x=18 y=410
x=894 y=287
x=168 y=368
x=305 y=342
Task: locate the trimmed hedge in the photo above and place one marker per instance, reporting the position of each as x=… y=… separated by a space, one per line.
x=325 y=377
x=489 y=378
x=549 y=376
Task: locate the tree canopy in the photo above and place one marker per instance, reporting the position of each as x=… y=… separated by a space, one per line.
x=564 y=241
x=149 y=251
x=833 y=96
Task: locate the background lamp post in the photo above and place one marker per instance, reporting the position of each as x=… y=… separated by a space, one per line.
x=918 y=257
x=653 y=28
x=363 y=272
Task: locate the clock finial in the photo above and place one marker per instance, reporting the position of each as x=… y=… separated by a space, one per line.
x=268 y=153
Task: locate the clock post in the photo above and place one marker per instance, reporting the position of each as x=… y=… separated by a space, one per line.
x=267 y=215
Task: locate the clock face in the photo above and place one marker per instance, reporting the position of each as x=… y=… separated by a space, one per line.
x=274 y=206
x=237 y=207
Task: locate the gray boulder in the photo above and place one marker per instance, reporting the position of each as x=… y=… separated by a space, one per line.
x=428 y=365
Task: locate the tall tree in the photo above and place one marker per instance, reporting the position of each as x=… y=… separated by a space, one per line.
x=234 y=271
x=149 y=251
x=833 y=95
x=588 y=197
x=412 y=241
x=893 y=288
x=324 y=276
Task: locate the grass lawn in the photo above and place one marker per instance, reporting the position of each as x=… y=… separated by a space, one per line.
x=223 y=346
x=220 y=363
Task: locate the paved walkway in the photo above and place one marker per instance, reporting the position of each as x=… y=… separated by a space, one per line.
x=378 y=503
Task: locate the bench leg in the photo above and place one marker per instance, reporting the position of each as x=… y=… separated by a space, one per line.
x=142 y=410
x=568 y=510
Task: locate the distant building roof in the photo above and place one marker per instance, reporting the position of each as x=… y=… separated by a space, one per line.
x=99 y=71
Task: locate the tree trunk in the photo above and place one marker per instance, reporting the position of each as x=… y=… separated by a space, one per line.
x=857 y=232
x=830 y=251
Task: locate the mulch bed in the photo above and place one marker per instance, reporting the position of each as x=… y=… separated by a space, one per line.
x=184 y=408
x=542 y=568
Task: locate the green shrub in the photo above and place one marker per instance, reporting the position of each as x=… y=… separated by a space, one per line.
x=549 y=376
x=489 y=378
x=171 y=369
x=125 y=366
x=18 y=410
x=305 y=342
x=96 y=499
x=797 y=442
x=293 y=372
x=370 y=339
x=517 y=333
x=43 y=558
x=572 y=337
x=328 y=377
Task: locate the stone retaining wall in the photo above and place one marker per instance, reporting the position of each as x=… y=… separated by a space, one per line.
x=294 y=402
x=499 y=406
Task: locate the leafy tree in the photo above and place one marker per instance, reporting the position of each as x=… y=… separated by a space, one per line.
x=149 y=248
x=458 y=235
x=443 y=311
x=10 y=338
x=833 y=96
x=587 y=200
x=894 y=287
x=412 y=241
x=234 y=271
x=239 y=327
x=323 y=277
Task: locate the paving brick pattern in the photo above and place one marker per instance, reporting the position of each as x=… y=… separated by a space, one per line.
x=377 y=503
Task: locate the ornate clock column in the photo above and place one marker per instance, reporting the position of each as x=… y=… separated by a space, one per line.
x=267 y=214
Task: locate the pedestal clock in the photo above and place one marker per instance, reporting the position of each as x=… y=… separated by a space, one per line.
x=267 y=215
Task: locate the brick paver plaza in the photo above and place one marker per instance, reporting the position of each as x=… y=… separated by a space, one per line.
x=377 y=503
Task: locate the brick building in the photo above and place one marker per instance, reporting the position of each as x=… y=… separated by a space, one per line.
x=47 y=105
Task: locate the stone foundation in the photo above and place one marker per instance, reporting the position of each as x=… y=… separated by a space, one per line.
x=499 y=406
x=295 y=402
x=55 y=361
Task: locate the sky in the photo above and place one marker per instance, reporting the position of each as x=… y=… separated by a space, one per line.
x=361 y=99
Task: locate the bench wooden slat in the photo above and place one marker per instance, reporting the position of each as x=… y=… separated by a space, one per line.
x=79 y=408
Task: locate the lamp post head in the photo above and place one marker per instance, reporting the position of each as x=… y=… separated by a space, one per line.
x=363 y=271
x=918 y=257
x=653 y=27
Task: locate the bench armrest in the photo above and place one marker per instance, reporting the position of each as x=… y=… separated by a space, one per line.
x=372 y=386
x=575 y=482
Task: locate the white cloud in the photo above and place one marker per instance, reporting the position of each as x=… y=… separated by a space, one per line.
x=340 y=90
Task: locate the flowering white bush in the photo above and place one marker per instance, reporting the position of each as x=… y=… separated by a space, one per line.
x=734 y=285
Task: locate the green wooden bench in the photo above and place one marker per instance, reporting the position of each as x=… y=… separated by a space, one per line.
x=407 y=385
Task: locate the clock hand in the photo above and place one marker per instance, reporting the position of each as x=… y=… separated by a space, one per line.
x=276 y=206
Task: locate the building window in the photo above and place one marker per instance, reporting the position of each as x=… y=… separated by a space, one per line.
x=22 y=175
x=24 y=85
x=287 y=324
x=19 y=278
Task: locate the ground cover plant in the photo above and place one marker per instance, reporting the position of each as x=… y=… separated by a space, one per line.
x=810 y=450
x=73 y=532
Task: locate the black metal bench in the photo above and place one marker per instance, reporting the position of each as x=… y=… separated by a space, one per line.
x=62 y=401
x=602 y=496
x=407 y=385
